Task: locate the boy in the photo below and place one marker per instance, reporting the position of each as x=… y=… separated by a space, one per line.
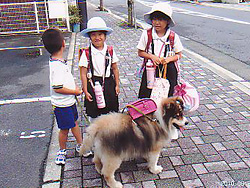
x=98 y=63
x=63 y=91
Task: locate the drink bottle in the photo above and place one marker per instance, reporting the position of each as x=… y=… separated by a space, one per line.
x=99 y=95
x=150 y=75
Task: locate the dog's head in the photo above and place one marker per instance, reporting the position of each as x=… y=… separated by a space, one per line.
x=172 y=111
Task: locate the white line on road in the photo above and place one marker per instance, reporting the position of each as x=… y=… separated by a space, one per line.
x=194 y=13
x=200 y=14
x=25 y=100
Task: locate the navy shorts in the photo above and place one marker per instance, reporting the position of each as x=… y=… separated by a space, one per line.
x=66 y=116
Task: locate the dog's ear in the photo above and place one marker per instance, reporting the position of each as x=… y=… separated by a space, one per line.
x=168 y=106
x=179 y=101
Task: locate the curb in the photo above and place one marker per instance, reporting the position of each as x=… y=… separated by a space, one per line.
x=52 y=174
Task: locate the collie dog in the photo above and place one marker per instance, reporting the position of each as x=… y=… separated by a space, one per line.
x=115 y=137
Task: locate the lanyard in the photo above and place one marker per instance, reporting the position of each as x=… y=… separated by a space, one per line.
x=106 y=60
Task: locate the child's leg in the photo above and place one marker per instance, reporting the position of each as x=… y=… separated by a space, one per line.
x=63 y=136
x=172 y=74
x=77 y=133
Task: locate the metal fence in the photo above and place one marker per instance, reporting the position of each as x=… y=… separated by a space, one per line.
x=26 y=17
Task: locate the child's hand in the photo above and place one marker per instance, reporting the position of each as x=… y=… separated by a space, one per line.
x=166 y=60
x=88 y=96
x=117 y=90
x=78 y=91
x=156 y=60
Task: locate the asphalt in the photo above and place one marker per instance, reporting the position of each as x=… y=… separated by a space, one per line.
x=213 y=151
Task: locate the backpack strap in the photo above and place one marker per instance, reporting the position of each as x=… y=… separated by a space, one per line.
x=110 y=50
x=150 y=38
x=80 y=53
x=171 y=38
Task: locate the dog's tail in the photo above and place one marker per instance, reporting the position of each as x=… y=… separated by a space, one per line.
x=88 y=141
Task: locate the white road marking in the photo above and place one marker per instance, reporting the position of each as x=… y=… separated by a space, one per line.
x=210 y=16
x=194 y=13
x=25 y=100
x=33 y=134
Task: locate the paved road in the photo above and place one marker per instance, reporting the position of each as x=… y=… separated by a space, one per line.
x=25 y=127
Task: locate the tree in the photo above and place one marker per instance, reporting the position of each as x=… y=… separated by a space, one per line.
x=101 y=5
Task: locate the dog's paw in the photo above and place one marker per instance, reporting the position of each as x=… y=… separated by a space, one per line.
x=118 y=185
x=156 y=169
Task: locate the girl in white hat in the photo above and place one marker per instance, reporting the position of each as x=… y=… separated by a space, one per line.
x=98 y=65
x=161 y=46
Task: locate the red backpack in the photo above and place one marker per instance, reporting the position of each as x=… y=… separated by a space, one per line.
x=110 y=51
x=90 y=64
x=150 y=39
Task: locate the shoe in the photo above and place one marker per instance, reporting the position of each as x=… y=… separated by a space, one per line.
x=61 y=157
x=88 y=153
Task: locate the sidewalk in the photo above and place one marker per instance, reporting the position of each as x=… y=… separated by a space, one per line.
x=214 y=151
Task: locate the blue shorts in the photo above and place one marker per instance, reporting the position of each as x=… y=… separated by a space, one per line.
x=66 y=116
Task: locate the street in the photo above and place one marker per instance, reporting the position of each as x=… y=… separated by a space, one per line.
x=25 y=126
x=219 y=34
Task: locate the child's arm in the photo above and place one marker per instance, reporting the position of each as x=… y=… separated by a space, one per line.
x=67 y=91
x=155 y=59
x=176 y=57
x=116 y=74
x=83 y=77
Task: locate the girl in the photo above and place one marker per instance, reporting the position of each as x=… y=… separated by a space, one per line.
x=98 y=63
x=161 y=46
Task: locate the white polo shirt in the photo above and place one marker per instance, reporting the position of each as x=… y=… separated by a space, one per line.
x=158 y=42
x=98 y=60
x=60 y=76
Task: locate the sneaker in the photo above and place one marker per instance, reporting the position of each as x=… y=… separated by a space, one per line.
x=88 y=153
x=78 y=147
x=61 y=157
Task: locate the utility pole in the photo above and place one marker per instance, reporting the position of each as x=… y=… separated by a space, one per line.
x=83 y=12
x=101 y=5
x=130 y=13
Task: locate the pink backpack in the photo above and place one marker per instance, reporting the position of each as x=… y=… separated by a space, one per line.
x=189 y=95
x=141 y=107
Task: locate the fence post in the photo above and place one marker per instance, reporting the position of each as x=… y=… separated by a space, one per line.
x=130 y=13
x=37 y=21
x=46 y=13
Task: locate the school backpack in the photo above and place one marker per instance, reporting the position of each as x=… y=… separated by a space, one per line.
x=150 y=39
x=110 y=51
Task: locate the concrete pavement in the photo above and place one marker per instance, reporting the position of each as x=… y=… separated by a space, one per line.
x=214 y=151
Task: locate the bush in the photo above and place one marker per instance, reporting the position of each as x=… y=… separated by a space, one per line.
x=74 y=14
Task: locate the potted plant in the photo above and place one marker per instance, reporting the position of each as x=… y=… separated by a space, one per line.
x=74 y=18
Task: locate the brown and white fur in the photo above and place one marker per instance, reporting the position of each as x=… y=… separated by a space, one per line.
x=116 y=138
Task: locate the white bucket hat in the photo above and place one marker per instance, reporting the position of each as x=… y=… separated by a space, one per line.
x=163 y=7
x=96 y=24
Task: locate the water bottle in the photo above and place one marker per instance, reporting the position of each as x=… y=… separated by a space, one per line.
x=150 y=75
x=99 y=95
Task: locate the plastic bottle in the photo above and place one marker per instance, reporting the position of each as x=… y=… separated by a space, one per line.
x=150 y=75
x=99 y=95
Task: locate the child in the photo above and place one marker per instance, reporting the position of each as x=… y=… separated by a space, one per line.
x=98 y=63
x=63 y=91
x=161 y=46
